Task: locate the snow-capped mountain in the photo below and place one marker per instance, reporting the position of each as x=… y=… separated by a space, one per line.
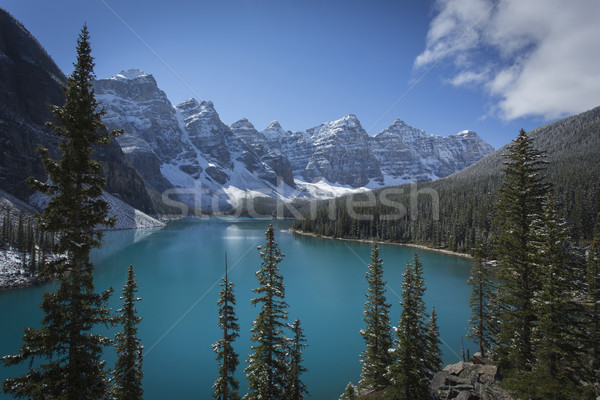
x=29 y=81
x=407 y=154
x=342 y=152
x=188 y=147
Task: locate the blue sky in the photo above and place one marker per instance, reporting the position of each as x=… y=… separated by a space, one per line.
x=441 y=66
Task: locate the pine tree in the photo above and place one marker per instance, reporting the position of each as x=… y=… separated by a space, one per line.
x=295 y=388
x=349 y=393
x=408 y=376
x=128 y=367
x=267 y=369
x=376 y=357
x=64 y=354
x=520 y=204
x=433 y=358
x=559 y=315
x=555 y=373
x=481 y=323
x=226 y=386
x=593 y=314
x=21 y=234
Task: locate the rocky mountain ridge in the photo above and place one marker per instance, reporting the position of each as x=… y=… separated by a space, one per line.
x=29 y=81
x=186 y=153
x=217 y=164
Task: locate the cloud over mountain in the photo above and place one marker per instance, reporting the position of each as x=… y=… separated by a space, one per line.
x=534 y=58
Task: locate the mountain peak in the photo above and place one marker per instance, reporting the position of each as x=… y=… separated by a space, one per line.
x=274 y=131
x=130 y=74
x=347 y=120
x=466 y=133
x=191 y=102
x=242 y=124
x=207 y=104
x=274 y=125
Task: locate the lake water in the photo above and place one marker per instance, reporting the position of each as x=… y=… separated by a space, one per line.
x=179 y=268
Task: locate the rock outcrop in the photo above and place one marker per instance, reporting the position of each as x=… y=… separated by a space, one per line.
x=406 y=153
x=188 y=149
x=29 y=81
x=469 y=381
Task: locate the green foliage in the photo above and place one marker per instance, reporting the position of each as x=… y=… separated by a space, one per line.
x=349 y=393
x=592 y=342
x=557 y=329
x=226 y=386
x=433 y=358
x=376 y=358
x=267 y=369
x=481 y=323
x=128 y=373
x=519 y=205
x=466 y=199
x=63 y=354
x=295 y=388
x=32 y=242
x=408 y=374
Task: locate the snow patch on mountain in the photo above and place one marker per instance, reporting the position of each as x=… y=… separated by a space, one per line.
x=129 y=74
x=127 y=216
x=210 y=165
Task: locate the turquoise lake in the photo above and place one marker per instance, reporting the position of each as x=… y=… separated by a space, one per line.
x=179 y=268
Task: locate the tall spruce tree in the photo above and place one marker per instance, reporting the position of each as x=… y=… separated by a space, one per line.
x=376 y=357
x=481 y=323
x=226 y=386
x=267 y=369
x=64 y=355
x=433 y=357
x=519 y=205
x=408 y=374
x=555 y=374
x=295 y=388
x=128 y=367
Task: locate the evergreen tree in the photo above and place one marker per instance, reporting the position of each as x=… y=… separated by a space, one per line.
x=128 y=367
x=481 y=323
x=593 y=314
x=21 y=246
x=520 y=204
x=267 y=369
x=226 y=386
x=63 y=354
x=555 y=373
x=433 y=358
x=408 y=376
x=295 y=388
x=559 y=315
x=376 y=357
x=349 y=393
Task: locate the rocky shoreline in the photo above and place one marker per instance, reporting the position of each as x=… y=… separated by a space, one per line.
x=416 y=246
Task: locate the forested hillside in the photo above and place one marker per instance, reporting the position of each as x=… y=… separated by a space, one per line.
x=467 y=198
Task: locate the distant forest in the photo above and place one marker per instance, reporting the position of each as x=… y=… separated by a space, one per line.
x=467 y=199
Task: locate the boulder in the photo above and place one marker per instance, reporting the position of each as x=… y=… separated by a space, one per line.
x=467 y=381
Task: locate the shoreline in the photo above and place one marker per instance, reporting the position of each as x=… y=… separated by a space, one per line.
x=413 y=245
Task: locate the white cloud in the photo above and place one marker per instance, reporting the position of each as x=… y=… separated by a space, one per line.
x=469 y=77
x=544 y=53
